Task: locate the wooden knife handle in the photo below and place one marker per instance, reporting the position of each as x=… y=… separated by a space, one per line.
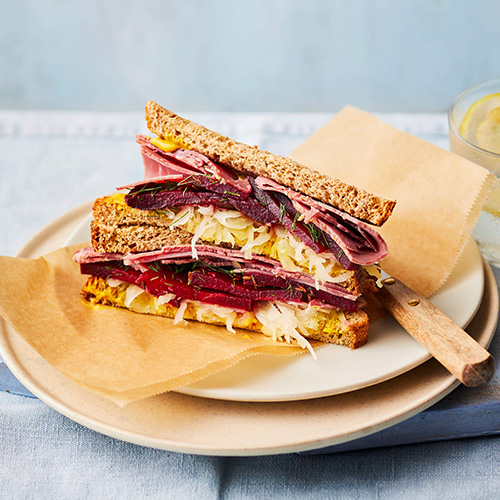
x=445 y=340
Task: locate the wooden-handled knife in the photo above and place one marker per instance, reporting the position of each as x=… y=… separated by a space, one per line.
x=445 y=340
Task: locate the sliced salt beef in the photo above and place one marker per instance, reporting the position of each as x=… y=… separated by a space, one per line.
x=189 y=162
x=361 y=243
x=252 y=280
x=182 y=254
x=158 y=162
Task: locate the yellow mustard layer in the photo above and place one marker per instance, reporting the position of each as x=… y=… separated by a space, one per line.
x=169 y=143
x=327 y=321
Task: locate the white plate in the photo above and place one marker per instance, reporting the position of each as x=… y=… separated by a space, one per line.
x=390 y=351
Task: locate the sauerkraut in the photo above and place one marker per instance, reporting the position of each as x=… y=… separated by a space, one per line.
x=230 y=226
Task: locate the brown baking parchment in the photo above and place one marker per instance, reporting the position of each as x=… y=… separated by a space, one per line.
x=439 y=194
x=119 y=354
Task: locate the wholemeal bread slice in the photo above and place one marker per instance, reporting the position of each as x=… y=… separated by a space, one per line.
x=251 y=160
x=118 y=228
x=349 y=329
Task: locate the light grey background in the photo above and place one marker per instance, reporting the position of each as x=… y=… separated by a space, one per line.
x=257 y=55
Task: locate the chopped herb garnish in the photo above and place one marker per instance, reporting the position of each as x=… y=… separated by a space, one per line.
x=155 y=266
x=289 y=288
x=186 y=180
x=152 y=189
x=314 y=231
x=282 y=211
x=295 y=219
x=230 y=192
x=178 y=218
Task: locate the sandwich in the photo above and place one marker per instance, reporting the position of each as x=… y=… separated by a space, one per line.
x=221 y=232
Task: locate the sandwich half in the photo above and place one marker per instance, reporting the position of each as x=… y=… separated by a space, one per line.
x=224 y=233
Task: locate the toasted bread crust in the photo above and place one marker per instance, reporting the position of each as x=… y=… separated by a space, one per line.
x=118 y=228
x=251 y=160
x=352 y=335
x=355 y=336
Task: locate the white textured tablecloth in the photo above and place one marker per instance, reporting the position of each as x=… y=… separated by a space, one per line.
x=52 y=162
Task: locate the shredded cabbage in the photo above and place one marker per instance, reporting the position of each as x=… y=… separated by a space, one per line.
x=229 y=315
x=131 y=293
x=164 y=299
x=280 y=320
x=179 y=315
x=230 y=226
x=114 y=282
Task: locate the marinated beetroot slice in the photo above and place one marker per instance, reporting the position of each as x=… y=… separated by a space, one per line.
x=166 y=199
x=266 y=200
x=264 y=279
x=281 y=207
x=111 y=269
x=158 y=197
x=162 y=282
x=223 y=299
x=159 y=283
x=167 y=281
x=335 y=300
x=153 y=282
x=289 y=218
x=254 y=210
x=208 y=183
x=340 y=254
x=308 y=292
x=177 y=283
x=267 y=287
x=234 y=286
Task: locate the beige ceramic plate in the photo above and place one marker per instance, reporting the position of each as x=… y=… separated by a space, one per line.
x=190 y=424
x=390 y=351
